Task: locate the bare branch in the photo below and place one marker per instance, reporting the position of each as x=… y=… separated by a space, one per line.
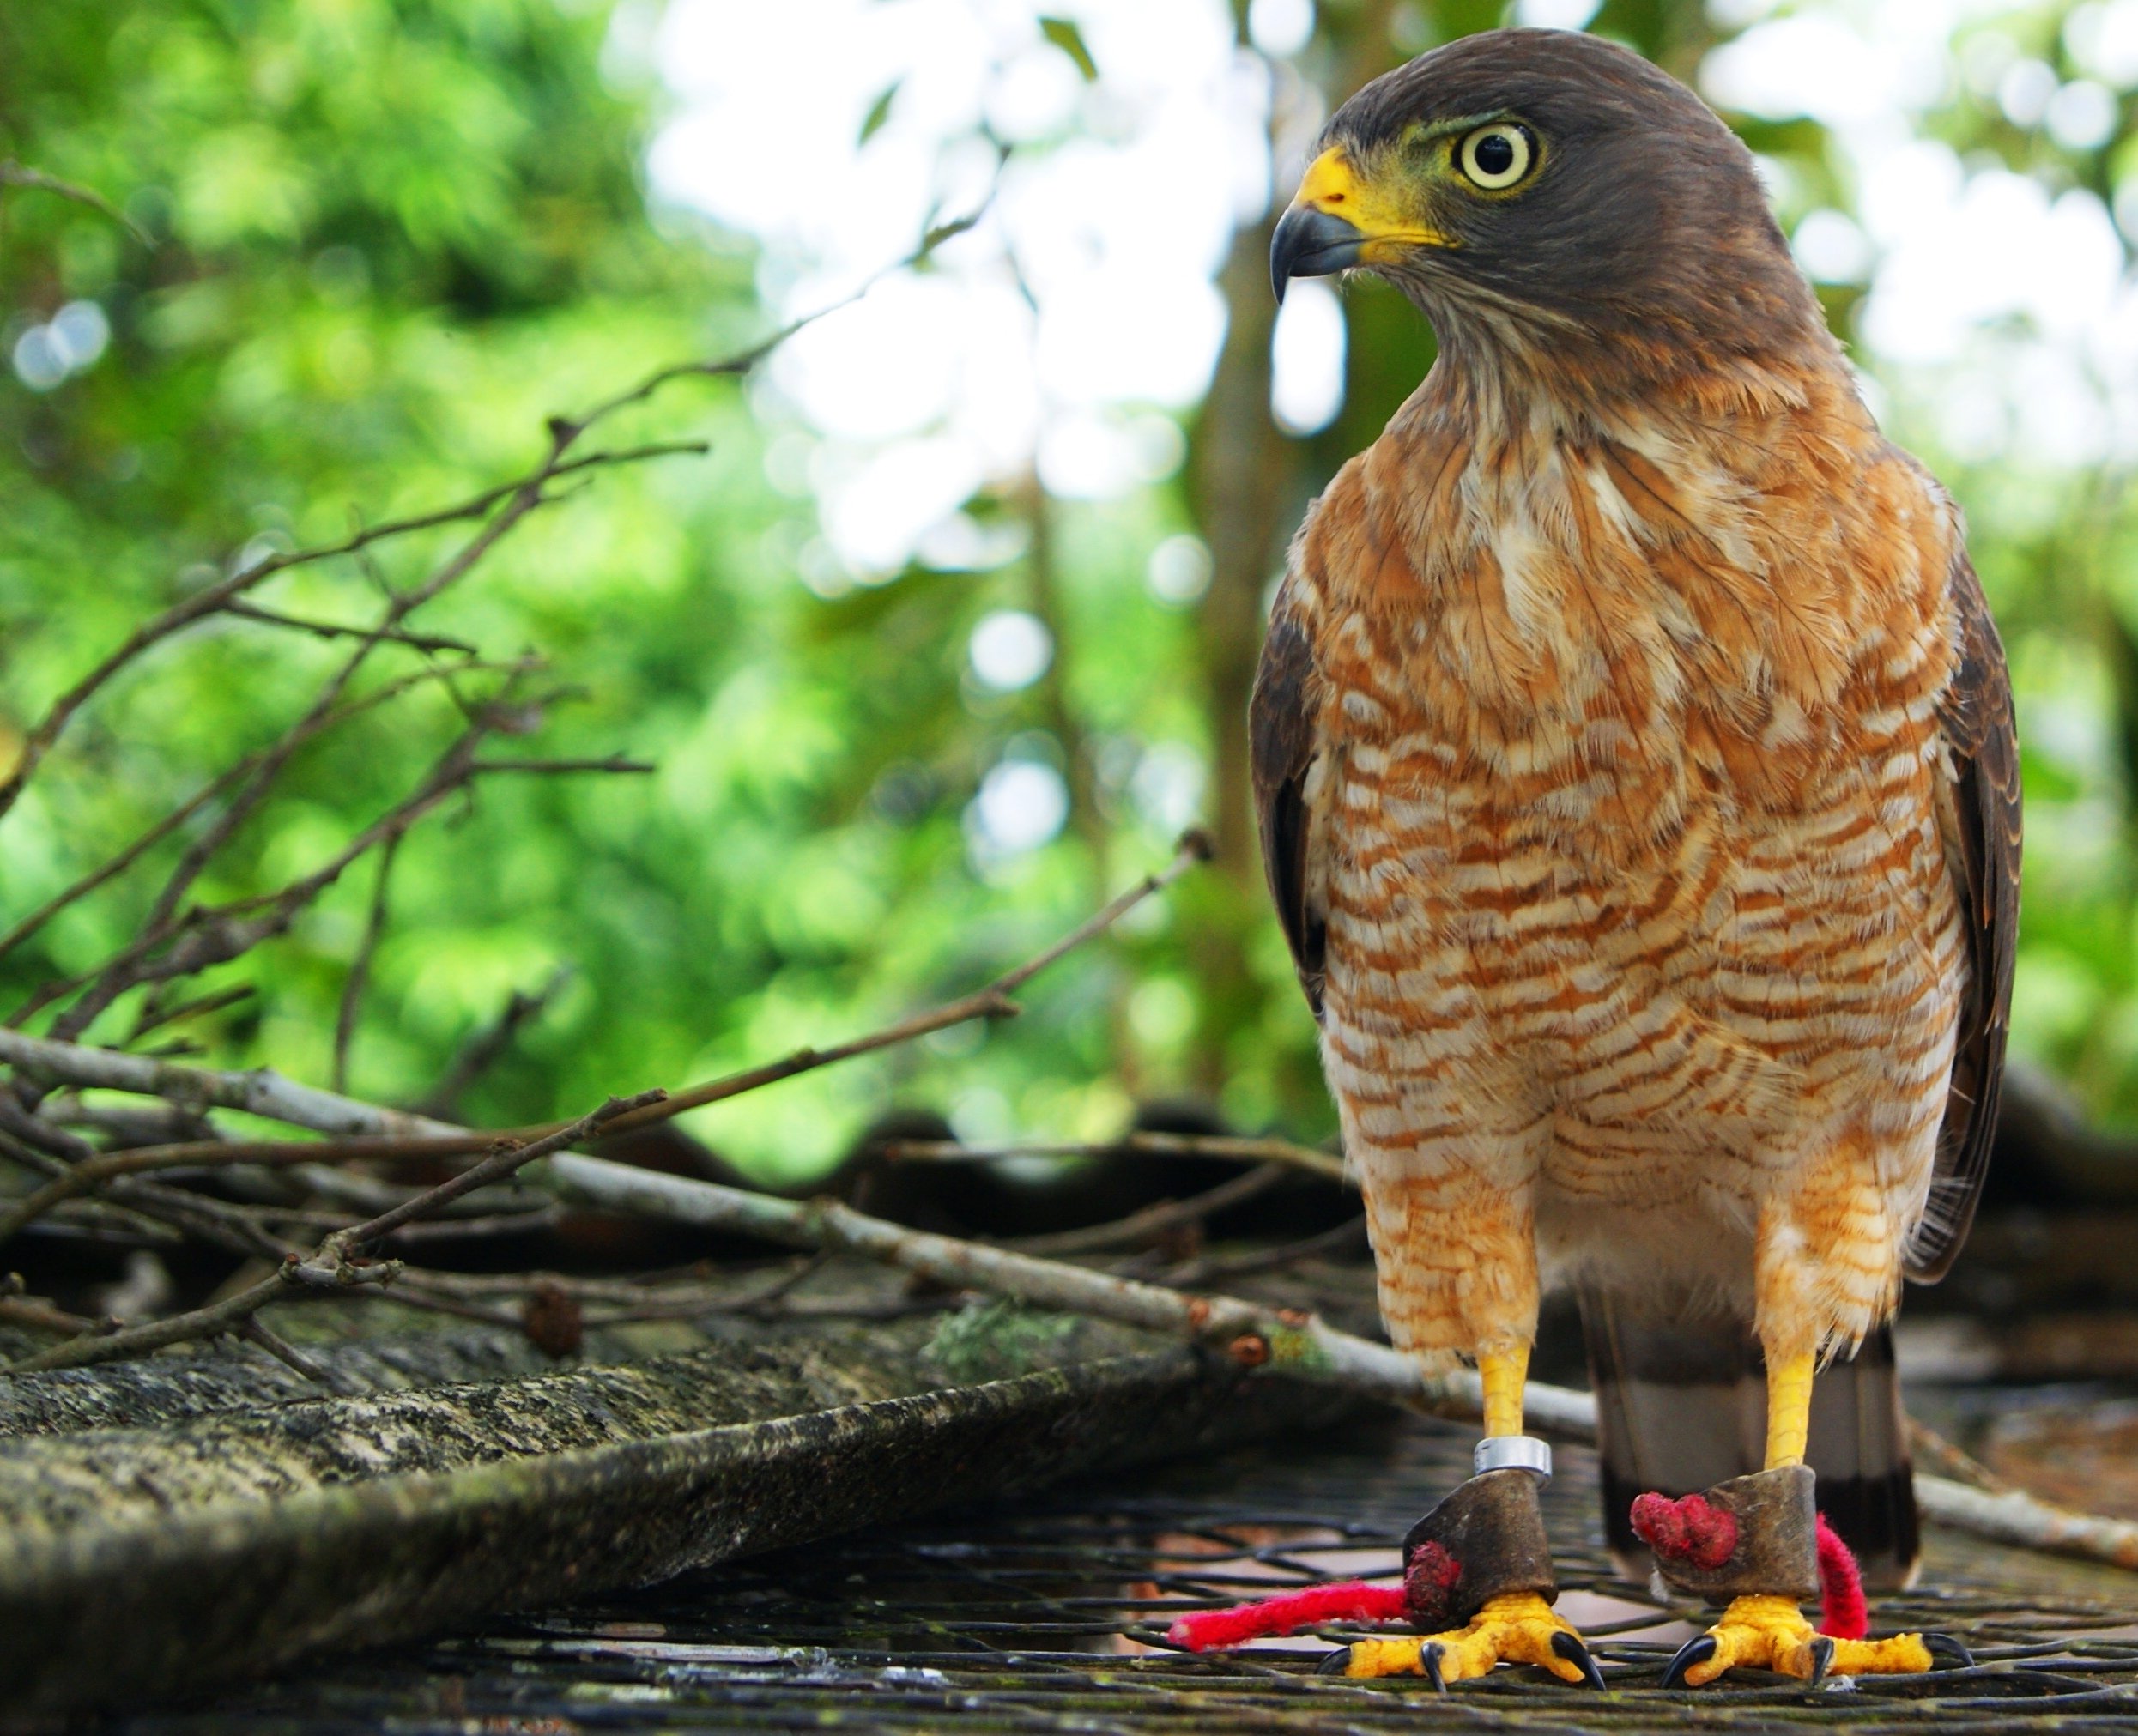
x=520 y=498
x=364 y=1130
x=509 y=1156
x=748 y=359
x=1283 y=1341
x=359 y=976
x=1256 y=1336
x=211 y=1321
x=36 y=1315
x=41 y=1316
x=1348 y=1237
x=992 y=1002
x=1254 y=1151
x=552 y=767
x=15 y=174
x=338 y=630
x=199 y=1007
x=1155 y=1220
x=285 y=1352
x=225 y=932
x=334 y=1265
x=480 y=1052
x=178 y=817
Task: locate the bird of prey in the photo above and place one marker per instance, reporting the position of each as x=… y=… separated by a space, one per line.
x=1635 y=758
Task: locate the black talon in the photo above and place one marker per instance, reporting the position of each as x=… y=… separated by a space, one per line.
x=1429 y=1660
x=1956 y=1657
x=1567 y=1646
x=1821 y=1660
x=1335 y=1663
x=1697 y=1650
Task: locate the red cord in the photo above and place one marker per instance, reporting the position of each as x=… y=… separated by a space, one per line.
x=1346 y=1600
x=1842 y=1613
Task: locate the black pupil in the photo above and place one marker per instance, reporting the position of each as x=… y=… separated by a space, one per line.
x=1494 y=154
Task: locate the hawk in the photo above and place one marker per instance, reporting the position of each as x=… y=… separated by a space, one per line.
x=1635 y=758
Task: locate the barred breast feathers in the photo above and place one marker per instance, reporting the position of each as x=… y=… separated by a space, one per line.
x=1753 y=586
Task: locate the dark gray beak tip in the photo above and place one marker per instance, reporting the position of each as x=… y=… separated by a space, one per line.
x=1309 y=243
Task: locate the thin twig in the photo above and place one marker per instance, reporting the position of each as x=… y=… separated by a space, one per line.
x=614 y=762
x=359 y=977
x=508 y=1157
x=520 y=497
x=481 y=1051
x=413 y=1291
x=216 y=598
x=991 y=1001
x=253 y=1331
x=339 y=630
x=1348 y=1237
x=362 y=1130
x=1254 y=1335
x=211 y=1321
x=33 y=1315
x=1253 y=1151
x=1157 y=1220
x=201 y=1005
x=216 y=1222
x=1954 y=1461
x=334 y=1265
x=170 y=823
x=15 y=174
x=640 y=1299
x=481 y=1227
x=218 y=934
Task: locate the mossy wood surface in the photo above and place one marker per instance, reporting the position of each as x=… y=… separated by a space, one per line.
x=158 y=1558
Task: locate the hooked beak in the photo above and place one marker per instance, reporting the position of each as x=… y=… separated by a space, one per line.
x=1338 y=221
x=1311 y=243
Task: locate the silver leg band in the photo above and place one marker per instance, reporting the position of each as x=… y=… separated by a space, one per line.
x=1512 y=1453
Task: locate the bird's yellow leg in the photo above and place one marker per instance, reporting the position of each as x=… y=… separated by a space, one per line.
x=1789 y=1409
x=1503 y=1375
x=1771 y=1633
x=1516 y=1627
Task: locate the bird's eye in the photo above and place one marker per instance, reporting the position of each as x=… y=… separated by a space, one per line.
x=1495 y=156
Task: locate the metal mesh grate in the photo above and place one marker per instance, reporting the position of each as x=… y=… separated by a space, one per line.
x=1048 y=1616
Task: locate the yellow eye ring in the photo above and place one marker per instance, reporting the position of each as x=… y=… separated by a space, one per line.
x=1495 y=157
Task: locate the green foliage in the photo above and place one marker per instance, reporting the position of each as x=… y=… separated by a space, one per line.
x=1064 y=35
x=389 y=239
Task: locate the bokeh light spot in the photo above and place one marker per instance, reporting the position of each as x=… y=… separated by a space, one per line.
x=1010 y=649
x=1179 y=571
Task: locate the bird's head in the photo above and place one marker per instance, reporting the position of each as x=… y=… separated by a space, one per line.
x=1544 y=190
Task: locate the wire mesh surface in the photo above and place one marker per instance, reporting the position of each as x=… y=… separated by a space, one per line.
x=1049 y=1615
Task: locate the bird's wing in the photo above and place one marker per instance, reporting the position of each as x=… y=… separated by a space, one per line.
x=1287 y=755
x=1978 y=816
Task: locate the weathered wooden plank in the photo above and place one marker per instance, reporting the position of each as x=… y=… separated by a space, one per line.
x=157 y=1561
x=168 y=1388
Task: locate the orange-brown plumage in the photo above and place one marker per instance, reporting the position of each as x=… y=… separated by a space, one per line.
x=1595 y=777
x=1633 y=749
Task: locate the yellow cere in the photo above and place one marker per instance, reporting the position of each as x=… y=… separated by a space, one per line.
x=1332 y=185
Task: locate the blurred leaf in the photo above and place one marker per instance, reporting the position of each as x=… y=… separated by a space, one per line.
x=878 y=111
x=1064 y=35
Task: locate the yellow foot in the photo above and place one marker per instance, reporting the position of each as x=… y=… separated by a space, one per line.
x=1518 y=1628
x=1771 y=1633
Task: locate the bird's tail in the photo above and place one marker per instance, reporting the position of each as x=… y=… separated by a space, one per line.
x=1682 y=1404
